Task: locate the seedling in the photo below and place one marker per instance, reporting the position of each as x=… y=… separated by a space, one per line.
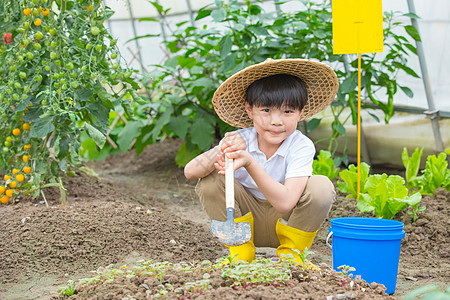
x=344 y=276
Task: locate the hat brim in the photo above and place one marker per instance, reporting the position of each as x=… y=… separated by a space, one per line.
x=320 y=80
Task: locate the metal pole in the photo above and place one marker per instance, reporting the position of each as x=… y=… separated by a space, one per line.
x=191 y=13
x=134 y=29
x=163 y=30
x=432 y=112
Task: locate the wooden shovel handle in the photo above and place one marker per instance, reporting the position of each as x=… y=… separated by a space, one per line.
x=229 y=182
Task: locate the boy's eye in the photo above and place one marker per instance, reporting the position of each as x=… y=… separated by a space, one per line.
x=266 y=110
x=288 y=111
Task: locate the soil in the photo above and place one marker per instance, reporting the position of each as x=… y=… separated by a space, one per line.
x=130 y=208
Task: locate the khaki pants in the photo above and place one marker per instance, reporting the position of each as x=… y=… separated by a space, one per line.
x=308 y=214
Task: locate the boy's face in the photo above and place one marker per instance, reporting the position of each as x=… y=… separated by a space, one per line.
x=273 y=124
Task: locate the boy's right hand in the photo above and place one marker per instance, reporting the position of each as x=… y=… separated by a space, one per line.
x=233 y=141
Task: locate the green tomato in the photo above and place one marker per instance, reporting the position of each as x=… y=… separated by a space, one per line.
x=53 y=55
x=20 y=58
x=8 y=143
x=15 y=96
x=17 y=85
x=38 y=35
x=38 y=77
x=74 y=84
x=54 y=44
x=52 y=31
x=35 y=12
x=5 y=149
x=12 y=68
x=47 y=68
x=63 y=80
x=57 y=84
x=69 y=66
x=127 y=74
x=29 y=55
x=9 y=139
x=26 y=25
x=114 y=55
x=73 y=75
x=44 y=102
x=89 y=46
x=115 y=65
x=57 y=62
x=24 y=96
x=98 y=48
x=95 y=30
x=37 y=46
x=22 y=75
x=1 y=97
x=113 y=42
x=25 y=42
x=83 y=68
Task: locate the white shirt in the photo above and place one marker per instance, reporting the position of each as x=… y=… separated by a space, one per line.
x=293 y=158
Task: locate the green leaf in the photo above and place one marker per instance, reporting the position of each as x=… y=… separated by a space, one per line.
x=202 y=133
x=85 y=94
x=219 y=14
x=126 y=136
x=162 y=121
x=203 y=13
x=225 y=45
x=41 y=128
x=184 y=155
x=186 y=62
x=180 y=125
x=408 y=92
x=324 y=165
x=412 y=165
x=348 y=85
x=412 y=31
x=364 y=204
x=98 y=137
x=350 y=179
x=408 y=70
x=313 y=124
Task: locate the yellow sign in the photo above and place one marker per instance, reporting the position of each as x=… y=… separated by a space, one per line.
x=357 y=26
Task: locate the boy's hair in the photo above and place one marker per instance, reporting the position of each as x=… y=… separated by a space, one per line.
x=280 y=90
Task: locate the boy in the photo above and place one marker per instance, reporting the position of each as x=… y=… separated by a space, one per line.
x=274 y=188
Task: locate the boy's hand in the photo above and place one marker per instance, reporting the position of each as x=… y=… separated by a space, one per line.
x=233 y=141
x=241 y=159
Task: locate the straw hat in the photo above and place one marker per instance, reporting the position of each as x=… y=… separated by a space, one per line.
x=321 y=83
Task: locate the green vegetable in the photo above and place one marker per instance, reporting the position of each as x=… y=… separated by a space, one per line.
x=386 y=196
x=324 y=165
x=350 y=180
x=435 y=175
x=412 y=165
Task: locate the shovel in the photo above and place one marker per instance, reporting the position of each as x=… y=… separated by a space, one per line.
x=229 y=232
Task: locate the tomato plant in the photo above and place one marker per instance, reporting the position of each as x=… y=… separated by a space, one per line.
x=55 y=84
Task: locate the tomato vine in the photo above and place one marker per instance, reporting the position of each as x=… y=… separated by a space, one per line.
x=56 y=82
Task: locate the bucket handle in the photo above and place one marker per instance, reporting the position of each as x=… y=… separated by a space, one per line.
x=328 y=237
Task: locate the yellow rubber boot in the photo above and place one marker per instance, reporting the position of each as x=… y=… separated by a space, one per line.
x=247 y=251
x=293 y=238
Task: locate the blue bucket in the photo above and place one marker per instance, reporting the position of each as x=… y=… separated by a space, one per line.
x=371 y=246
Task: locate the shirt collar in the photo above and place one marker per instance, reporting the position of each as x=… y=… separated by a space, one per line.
x=282 y=150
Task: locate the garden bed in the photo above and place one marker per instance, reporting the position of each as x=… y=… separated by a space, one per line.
x=141 y=208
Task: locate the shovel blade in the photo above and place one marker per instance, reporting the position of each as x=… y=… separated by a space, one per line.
x=231 y=233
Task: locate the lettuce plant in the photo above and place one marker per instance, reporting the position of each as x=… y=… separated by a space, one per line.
x=324 y=165
x=350 y=180
x=386 y=196
x=435 y=175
